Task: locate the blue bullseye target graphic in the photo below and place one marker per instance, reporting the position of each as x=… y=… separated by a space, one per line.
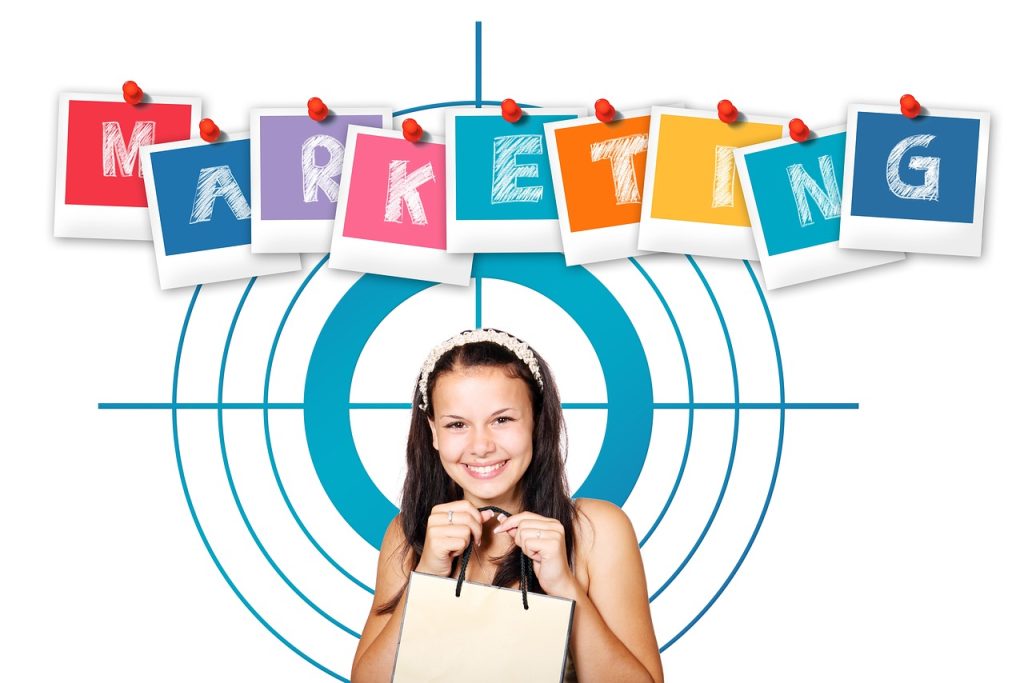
x=291 y=397
x=344 y=334
x=218 y=457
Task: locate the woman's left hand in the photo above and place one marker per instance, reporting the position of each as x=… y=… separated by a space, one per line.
x=543 y=541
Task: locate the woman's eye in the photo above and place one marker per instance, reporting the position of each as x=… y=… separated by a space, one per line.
x=455 y=425
x=503 y=419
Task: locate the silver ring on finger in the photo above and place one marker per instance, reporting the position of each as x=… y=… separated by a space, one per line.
x=451 y=513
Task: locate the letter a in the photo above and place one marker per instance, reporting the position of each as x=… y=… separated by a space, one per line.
x=322 y=177
x=504 y=185
x=218 y=181
x=116 y=155
x=927 y=190
x=802 y=184
x=402 y=188
x=621 y=152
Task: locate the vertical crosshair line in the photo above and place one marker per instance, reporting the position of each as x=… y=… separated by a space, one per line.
x=479 y=306
x=479 y=68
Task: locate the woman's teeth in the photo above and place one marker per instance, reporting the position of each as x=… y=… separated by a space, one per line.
x=488 y=469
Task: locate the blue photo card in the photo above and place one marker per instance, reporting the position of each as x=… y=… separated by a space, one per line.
x=915 y=185
x=794 y=200
x=199 y=208
x=500 y=194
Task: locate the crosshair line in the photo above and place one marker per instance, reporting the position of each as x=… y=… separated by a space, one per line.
x=214 y=405
x=479 y=64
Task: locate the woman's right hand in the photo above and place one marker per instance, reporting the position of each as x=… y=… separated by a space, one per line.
x=444 y=540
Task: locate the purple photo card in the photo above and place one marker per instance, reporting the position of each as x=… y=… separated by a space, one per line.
x=296 y=168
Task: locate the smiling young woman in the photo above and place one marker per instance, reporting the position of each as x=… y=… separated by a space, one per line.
x=489 y=431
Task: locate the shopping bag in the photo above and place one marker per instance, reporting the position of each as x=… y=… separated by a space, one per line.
x=485 y=633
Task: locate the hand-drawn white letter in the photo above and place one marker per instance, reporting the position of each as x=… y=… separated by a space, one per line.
x=314 y=176
x=828 y=200
x=504 y=184
x=927 y=190
x=402 y=188
x=621 y=152
x=116 y=155
x=218 y=181
x=725 y=171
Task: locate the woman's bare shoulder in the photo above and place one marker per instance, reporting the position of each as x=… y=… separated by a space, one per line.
x=601 y=526
x=598 y=507
x=597 y=513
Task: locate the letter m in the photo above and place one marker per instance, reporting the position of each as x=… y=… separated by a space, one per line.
x=118 y=156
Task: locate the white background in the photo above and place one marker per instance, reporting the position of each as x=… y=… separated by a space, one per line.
x=892 y=549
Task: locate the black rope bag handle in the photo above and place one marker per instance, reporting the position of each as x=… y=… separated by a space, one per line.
x=524 y=567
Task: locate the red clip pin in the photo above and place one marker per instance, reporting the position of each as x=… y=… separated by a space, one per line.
x=727 y=112
x=604 y=110
x=208 y=130
x=412 y=131
x=132 y=92
x=318 y=111
x=910 y=106
x=510 y=111
x=798 y=130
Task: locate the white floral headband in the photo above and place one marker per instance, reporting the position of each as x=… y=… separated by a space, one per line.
x=516 y=346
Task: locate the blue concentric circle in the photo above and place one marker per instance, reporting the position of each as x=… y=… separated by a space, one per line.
x=363 y=307
x=649 y=407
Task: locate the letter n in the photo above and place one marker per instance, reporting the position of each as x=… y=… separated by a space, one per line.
x=827 y=199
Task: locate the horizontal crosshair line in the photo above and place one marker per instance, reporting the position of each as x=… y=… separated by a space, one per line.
x=407 y=406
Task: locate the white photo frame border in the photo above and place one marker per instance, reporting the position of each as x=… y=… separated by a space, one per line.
x=94 y=221
x=209 y=265
x=910 y=234
x=532 y=235
x=353 y=253
x=600 y=244
x=809 y=263
x=275 y=236
x=698 y=238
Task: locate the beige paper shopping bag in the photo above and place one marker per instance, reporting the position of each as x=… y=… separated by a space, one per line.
x=484 y=634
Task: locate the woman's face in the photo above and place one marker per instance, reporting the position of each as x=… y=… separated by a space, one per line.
x=483 y=429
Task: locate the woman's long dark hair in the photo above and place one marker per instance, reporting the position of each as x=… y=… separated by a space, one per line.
x=544 y=486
